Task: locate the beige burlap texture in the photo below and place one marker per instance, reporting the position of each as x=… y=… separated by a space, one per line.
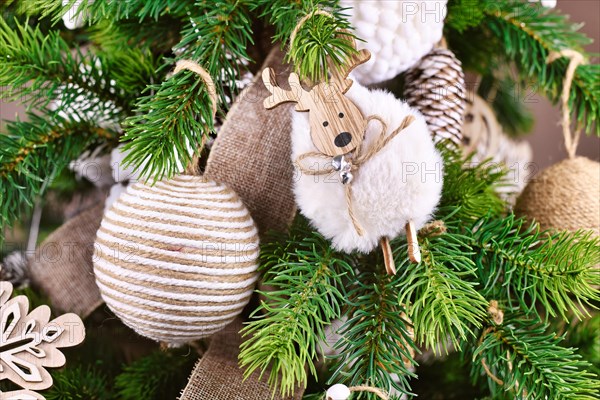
x=217 y=375
x=564 y=196
x=62 y=265
x=252 y=153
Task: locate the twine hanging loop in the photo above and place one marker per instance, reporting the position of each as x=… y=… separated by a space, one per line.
x=192 y=168
x=576 y=59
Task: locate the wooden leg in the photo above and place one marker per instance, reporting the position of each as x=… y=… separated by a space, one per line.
x=414 y=253
x=388 y=257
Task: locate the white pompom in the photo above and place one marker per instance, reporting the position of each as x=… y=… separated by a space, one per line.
x=397 y=33
x=70 y=19
x=338 y=392
x=402 y=182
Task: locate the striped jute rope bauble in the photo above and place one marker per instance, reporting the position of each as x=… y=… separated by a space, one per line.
x=177 y=261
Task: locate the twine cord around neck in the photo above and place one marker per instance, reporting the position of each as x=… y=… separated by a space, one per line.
x=382 y=395
x=576 y=59
x=192 y=168
x=359 y=157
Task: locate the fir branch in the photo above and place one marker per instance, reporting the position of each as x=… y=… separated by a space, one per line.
x=38 y=68
x=531 y=363
x=463 y=14
x=169 y=126
x=306 y=277
x=33 y=152
x=217 y=37
x=554 y=272
x=158 y=376
x=317 y=45
x=95 y=11
x=376 y=340
x=156 y=36
x=528 y=34
x=78 y=383
x=440 y=292
x=470 y=189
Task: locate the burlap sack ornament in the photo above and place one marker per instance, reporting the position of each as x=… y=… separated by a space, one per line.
x=176 y=260
x=565 y=195
x=62 y=265
x=397 y=33
x=252 y=151
x=217 y=375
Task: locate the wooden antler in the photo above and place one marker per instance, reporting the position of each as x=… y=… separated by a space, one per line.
x=279 y=95
x=340 y=74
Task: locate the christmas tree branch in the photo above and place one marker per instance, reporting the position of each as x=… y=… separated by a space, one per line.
x=529 y=34
x=317 y=40
x=38 y=68
x=555 y=272
x=169 y=126
x=440 y=292
x=522 y=359
x=306 y=278
x=376 y=340
x=33 y=152
x=470 y=189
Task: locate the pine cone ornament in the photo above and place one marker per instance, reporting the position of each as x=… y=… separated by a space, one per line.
x=436 y=87
x=15 y=269
x=397 y=33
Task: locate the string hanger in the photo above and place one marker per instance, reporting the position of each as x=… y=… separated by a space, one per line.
x=576 y=59
x=192 y=168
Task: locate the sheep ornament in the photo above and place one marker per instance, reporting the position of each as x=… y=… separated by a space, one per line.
x=368 y=170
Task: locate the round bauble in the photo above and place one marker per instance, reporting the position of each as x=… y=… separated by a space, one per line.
x=397 y=33
x=564 y=196
x=177 y=261
x=401 y=182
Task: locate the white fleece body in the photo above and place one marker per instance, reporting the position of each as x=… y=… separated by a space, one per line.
x=401 y=182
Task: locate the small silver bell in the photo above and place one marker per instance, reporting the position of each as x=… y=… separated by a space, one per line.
x=338 y=162
x=346 y=177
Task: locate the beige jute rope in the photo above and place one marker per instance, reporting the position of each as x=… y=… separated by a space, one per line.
x=192 y=168
x=576 y=59
x=358 y=158
x=383 y=395
x=497 y=316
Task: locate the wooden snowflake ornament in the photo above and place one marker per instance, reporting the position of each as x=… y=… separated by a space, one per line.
x=30 y=342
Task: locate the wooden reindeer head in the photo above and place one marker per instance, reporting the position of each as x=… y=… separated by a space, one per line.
x=336 y=124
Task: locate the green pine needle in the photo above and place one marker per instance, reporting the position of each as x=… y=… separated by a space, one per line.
x=307 y=293
x=532 y=364
x=440 y=292
x=534 y=270
x=376 y=341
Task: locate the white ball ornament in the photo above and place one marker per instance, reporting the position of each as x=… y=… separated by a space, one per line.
x=397 y=33
x=177 y=261
x=338 y=392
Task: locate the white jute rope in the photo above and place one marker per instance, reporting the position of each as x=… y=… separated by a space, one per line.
x=177 y=261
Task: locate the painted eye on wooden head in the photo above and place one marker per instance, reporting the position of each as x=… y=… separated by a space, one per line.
x=325 y=123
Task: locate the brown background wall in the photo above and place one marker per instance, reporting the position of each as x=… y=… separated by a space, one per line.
x=546 y=138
